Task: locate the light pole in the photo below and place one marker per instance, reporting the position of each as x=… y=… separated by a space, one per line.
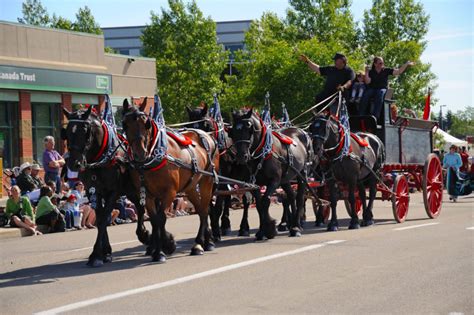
x=441 y=116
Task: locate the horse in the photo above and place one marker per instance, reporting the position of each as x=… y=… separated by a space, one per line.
x=357 y=168
x=94 y=151
x=199 y=119
x=177 y=171
x=272 y=165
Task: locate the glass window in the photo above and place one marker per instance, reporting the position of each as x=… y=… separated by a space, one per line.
x=45 y=119
x=9 y=133
x=117 y=110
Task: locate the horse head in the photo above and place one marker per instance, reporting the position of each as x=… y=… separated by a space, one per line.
x=138 y=127
x=245 y=134
x=81 y=133
x=199 y=117
x=320 y=130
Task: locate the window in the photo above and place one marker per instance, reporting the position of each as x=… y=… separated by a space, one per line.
x=9 y=133
x=45 y=119
x=124 y=52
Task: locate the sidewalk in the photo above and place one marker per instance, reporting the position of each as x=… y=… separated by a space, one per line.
x=6 y=233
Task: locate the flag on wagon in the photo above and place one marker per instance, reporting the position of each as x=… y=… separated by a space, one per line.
x=426 y=112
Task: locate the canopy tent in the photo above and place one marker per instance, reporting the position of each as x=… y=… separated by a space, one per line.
x=450 y=140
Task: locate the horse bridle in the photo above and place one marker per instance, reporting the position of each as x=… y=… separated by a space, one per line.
x=88 y=144
x=137 y=114
x=326 y=134
x=249 y=141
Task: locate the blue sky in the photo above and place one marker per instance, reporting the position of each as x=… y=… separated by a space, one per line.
x=450 y=38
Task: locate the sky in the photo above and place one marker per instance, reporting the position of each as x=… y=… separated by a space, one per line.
x=450 y=37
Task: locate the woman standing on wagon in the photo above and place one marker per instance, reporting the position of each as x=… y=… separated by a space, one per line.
x=376 y=79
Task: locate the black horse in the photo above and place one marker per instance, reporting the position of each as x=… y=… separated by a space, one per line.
x=200 y=119
x=94 y=151
x=272 y=165
x=355 y=168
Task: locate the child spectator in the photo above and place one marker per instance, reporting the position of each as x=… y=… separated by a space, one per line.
x=70 y=210
x=47 y=213
x=358 y=88
x=19 y=211
x=88 y=214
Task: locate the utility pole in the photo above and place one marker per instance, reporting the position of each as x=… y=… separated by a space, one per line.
x=441 y=116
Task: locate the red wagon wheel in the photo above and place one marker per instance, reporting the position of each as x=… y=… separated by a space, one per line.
x=400 y=198
x=433 y=186
x=358 y=207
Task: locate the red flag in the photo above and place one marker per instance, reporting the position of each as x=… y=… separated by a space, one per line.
x=426 y=112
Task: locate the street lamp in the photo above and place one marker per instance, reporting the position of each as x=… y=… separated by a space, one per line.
x=441 y=116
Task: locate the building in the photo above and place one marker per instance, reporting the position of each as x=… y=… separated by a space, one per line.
x=43 y=70
x=126 y=40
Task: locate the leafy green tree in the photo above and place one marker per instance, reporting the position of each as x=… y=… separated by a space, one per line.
x=325 y=20
x=188 y=59
x=34 y=13
x=85 y=22
x=463 y=123
x=395 y=30
x=61 y=23
x=449 y=120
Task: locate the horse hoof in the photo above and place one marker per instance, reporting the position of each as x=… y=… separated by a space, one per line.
x=244 y=233
x=216 y=238
x=270 y=230
x=197 y=250
x=169 y=247
x=367 y=223
x=160 y=258
x=259 y=236
x=108 y=259
x=282 y=228
x=354 y=226
x=319 y=224
x=94 y=263
x=209 y=247
x=333 y=228
x=294 y=233
x=226 y=232
x=149 y=251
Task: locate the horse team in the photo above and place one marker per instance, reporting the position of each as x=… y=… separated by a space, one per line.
x=153 y=164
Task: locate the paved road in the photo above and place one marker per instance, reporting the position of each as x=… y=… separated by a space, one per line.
x=420 y=266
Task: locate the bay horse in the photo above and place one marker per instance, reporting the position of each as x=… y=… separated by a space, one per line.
x=176 y=172
x=94 y=151
x=200 y=119
x=366 y=154
x=289 y=153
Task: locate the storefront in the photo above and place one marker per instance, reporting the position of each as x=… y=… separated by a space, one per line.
x=44 y=70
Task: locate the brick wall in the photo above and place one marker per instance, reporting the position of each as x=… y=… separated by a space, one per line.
x=25 y=132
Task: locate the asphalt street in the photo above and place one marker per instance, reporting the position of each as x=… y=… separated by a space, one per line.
x=418 y=267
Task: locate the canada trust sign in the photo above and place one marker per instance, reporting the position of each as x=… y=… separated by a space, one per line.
x=14 y=76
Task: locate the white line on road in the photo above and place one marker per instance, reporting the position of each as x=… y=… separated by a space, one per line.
x=156 y=286
x=470 y=228
x=415 y=226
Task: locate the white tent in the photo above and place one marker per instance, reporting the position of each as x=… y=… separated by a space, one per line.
x=450 y=140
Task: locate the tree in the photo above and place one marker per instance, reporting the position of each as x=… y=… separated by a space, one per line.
x=85 y=22
x=324 y=20
x=395 y=30
x=34 y=13
x=449 y=120
x=463 y=123
x=188 y=59
x=61 y=23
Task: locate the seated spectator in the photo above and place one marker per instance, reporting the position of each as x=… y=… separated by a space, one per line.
x=35 y=168
x=47 y=213
x=72 y=213
x=410 y=113
x=19 y=211
x=27 y=184
x=358 y=88
x=127 y=214
x=88 y=214
x=65 y=191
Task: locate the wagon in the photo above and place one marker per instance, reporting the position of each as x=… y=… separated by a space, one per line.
x=410 y=163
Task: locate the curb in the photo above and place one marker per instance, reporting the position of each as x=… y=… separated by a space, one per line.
x=6 y=233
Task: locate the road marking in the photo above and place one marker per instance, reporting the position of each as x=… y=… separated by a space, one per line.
x=415 y=226
x=470 y=228
x=156 y=286
x=88 y=248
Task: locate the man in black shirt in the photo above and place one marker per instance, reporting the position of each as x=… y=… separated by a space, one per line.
x=376 y=79
x=338 y=77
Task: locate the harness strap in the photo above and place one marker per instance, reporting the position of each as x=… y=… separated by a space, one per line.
x=104 y=142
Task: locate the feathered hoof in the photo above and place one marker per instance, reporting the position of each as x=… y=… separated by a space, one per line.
x=216 y=238
x=197 y=250
x=282 y=228
x=149 y=251
x=226 y=232
x=94 y=263
x=244 y=233
x=209 y=247
x=332 y=228
x=295 y=233
x=354 y=226
x=270 y=230
x=159 y=258
x=108 y=259
x=169 y=245
x=367 y=223
x=319 y=224
x=259 y=235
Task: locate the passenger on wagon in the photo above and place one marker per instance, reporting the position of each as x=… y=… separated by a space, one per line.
x=19 y=211
x=376 y=79
x=338 y=77
x=358 y=88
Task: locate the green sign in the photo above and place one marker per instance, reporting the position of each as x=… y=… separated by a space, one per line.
x=54 y=80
